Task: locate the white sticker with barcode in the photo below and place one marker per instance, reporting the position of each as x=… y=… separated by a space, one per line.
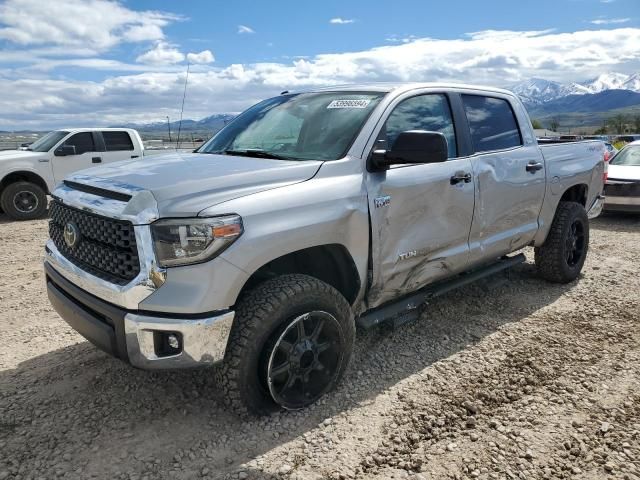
x=349 y=104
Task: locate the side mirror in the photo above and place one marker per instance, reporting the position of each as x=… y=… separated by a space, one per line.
x=64 y=150
x=412 y=146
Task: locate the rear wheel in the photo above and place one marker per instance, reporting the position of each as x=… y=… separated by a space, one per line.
x=290 y=344
x=23 y=201
x=561 y=258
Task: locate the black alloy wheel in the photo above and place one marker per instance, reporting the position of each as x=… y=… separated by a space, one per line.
x=575 y=243
x=305 y=360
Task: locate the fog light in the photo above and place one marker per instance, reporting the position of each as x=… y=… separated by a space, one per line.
x=173 y=341
x=167 y=344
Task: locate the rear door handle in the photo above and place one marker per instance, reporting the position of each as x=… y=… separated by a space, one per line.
x=134 y=156
x=96 y=159
x=533 y=167
x=460 y=177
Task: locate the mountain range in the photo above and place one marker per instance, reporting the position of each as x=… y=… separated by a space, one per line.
x=537 y=91
x=210 y=124
x=582 y=105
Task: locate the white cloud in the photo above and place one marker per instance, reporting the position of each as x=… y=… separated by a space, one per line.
x=610 y=21
x=93 y=24
x=162 y=53
x=341 y=21
x=245 y=29
x=400 y=38
x=490 y=57
x=201 y=58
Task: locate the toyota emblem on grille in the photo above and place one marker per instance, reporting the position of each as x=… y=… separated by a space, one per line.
x=71 y=234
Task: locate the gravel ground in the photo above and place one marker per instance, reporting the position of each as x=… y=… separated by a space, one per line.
x=509 y=378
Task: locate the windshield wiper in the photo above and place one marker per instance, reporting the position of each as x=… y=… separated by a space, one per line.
x=251 y=152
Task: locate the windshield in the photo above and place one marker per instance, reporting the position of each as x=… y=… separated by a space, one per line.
x=306 y=126
x=627 y=156
x=46 y=143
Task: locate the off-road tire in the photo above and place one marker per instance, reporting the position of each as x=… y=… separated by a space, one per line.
x=261 y=315
x=7 y=201
x=551 y=257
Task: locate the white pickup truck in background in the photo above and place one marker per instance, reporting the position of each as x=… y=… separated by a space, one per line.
x=27 y=176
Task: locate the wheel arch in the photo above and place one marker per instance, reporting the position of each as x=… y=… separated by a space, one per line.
x=576 y=193
x=330 y=263
x=23 y=176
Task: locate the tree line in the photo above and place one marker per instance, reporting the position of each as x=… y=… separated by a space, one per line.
x=618 y=124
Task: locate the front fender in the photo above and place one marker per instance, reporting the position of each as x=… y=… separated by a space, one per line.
x=40 y=169
x=320 y=211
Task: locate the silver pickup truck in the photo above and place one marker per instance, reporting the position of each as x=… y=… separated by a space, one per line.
x=309 y=214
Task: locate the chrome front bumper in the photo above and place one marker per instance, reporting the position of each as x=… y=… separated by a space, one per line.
x=132 y=336
x=204 y=340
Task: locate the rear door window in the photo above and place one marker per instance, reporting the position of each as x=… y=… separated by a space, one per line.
x=115 y=141
x=492 y=123
x=83 y=142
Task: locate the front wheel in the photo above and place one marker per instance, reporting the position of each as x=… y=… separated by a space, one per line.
x=24 y=201
x=290 y=344
x=561 y=258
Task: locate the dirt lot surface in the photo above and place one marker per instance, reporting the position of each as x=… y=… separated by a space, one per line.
x=510 y=378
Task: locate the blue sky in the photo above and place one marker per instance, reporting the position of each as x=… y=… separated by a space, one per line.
x=74 y=62
x=295 y=28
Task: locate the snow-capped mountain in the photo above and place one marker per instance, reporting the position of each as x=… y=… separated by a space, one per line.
x=607 y=81
x=538 y=91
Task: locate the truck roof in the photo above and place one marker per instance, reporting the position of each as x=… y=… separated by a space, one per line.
x=91 y=129
x=406 y=86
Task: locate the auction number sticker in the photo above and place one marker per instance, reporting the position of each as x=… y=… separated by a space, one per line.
x=349 y=104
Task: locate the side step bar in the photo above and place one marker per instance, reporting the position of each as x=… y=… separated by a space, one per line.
x=405 y=309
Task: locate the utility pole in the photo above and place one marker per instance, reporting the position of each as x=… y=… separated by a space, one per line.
x=184 y=95
x=169 y=128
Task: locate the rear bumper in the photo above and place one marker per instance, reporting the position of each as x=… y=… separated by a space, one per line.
x=134 y=336
x=622 y=204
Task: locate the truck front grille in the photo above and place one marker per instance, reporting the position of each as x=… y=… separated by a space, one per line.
x=104 y=247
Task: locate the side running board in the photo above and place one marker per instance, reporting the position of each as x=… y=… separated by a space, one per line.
x=405 y=309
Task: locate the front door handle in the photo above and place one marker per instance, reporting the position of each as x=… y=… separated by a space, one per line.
x=460 y=177
x=134 y=156
x=533 y=166
x=96 y=159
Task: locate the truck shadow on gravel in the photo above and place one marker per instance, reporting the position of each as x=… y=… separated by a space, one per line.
x=5 y=219
x=617 y=222
x=77 y=408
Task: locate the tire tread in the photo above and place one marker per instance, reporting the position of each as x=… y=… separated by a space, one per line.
x=549 y=257
x=251 y=314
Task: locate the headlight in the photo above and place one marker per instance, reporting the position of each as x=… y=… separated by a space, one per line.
x=183 y=241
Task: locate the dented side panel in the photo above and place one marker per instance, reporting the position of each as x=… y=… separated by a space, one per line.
x=420 y=226
x=508 y=202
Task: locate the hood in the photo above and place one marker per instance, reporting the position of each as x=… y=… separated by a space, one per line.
x=20 y=154
x=624 y=172
x=185 y=184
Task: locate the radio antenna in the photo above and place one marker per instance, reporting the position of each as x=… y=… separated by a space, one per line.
x=184 y=95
